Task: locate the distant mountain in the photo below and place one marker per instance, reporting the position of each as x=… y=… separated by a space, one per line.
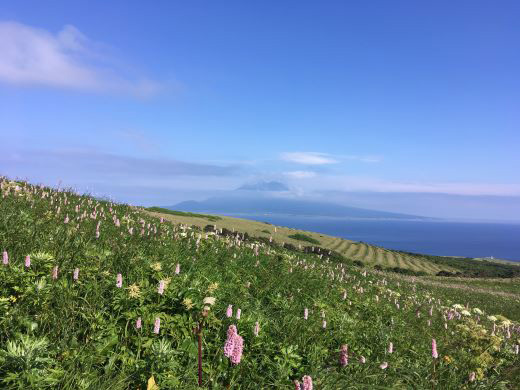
x=274 y=186
x=269 y=205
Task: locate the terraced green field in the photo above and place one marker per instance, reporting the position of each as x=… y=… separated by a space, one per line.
x=368 y=254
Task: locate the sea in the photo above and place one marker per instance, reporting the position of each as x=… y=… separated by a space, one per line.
x=435 y=237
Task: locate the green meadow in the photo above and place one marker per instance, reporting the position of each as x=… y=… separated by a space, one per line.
x=98 y=295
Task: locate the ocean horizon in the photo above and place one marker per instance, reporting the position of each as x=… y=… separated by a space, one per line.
x=432 y=237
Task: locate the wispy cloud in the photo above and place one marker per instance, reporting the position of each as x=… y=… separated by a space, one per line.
x=68 y=59
x=308 y=158
x=300 y=174
x=315 y=158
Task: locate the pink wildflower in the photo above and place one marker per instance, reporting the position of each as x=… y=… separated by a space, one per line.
x=238 y=347
x=306 y=314
x=307 y=382
x=157 y=325
x=76 y=274
x=324 y=324
x=343 y=355
x=138 y=323
x=55 y=273
x=296 y=385
x=363 y=360
x=257 y=329
x=119 y=282
x=160 y=290
x=27 y=261
x=229 y=311
x=66 y=219
x=177 y=269
x=472 y=376
x=5 y=258
x=435 y=355
x=383 y=366
x=230 y=341
x=239 y=313
x=391 y=347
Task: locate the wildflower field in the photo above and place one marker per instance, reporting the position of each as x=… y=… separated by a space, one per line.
x=97 y=295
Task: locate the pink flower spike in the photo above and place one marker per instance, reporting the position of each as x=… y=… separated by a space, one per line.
x=177 y=269
x=306 y=314
x=230 y=341
x=138 y=323
x=307 y=382
x=157 y=325
x=229 y=311
x=343 y=355
x=76 y=274
x=435 y=355
x=383 y=366
x=239 y=313
x=27 y=261
x=238 y=347
x=5 y=258
x=296 y=385
x=119 y=282
x=55 y=273
x=160 y=290
x=391 y=347
x=257 y=329
x=363 y=360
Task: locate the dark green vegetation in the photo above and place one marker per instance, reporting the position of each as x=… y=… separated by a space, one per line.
x=212 y=218
x=60 y=333
x=304 y=237
x=472 y=268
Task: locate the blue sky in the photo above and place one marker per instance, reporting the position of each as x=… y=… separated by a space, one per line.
x=403 y=106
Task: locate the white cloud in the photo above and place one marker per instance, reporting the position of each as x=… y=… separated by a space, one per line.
x=308 y=158
x=300 y=174
x=356 y=183
x=68 y=59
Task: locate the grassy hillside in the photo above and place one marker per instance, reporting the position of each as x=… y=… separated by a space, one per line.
x=95 y=295
x=368 y=254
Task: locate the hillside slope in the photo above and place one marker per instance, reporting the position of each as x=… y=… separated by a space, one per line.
x=369 y=254
x=96 y=295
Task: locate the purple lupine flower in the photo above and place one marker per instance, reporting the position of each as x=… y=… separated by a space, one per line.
x=177 y=269
x=157 y=325
x=257 y=329
x=306 y=314
x=239 y=312
x=237 y=349
x=230 y=341
x=160 y=290
x=76 y=274
x=343 y=355
x=383 y=366
x=27 y=261
x=435 y=355
x=55 y=273
x=296 y=385
x=5 y=258
x=138 y=323
x=307 y=382
x=229 y=311
x=119 y=282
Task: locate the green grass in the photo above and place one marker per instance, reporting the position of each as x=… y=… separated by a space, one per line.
x=212 y=218
x=304 y=237
x=61 y=333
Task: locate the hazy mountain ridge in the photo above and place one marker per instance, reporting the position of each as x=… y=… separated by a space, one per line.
x=271 y=205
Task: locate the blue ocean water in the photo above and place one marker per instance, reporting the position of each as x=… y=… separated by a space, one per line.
x=500 y=240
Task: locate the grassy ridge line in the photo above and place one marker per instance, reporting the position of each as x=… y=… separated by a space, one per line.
x=350 y=249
